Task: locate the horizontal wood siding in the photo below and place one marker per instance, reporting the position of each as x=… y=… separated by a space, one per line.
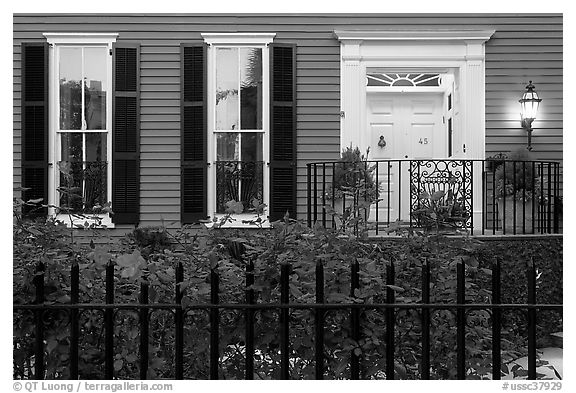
x=524 y=47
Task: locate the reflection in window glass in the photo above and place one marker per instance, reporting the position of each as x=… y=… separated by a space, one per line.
x=95 y=88
x=71 y=171
x=71 y=147
x=95 y=179
x=251 y=147
x=239 y=106
x=227 y=146
x=83 y=184
x=95 y=146
x=70 y=77
x=227 y=115
x=251 y=88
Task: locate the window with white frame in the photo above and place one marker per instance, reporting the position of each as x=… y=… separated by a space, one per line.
x=238 y=131
x=80 y=122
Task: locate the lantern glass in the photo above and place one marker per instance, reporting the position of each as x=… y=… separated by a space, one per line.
x=530 y=103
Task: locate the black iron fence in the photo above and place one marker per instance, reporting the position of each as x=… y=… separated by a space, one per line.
x=460 y=307
x=494 y=196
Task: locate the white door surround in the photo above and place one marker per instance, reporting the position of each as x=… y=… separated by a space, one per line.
x=457 y=52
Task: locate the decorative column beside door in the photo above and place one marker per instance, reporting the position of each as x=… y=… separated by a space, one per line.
x=474 y=122
x=350 y=93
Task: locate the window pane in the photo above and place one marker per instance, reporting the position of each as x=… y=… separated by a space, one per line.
x=71 y=146
x=251 y=88
x=251 y=147
x=238 y=181
x=95 y=175
x=227 y=115
x=70 y=76
x=83 y=184
x=96 y=146
x=227 y=146
x=71 y=168
x=95 y=88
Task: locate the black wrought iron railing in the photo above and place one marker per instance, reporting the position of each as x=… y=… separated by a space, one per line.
x=69 y=314
x=494 y=196
x=240 y=181
x=83 y=185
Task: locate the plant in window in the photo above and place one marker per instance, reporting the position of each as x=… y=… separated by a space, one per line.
x=83 y=208
x=237 y=207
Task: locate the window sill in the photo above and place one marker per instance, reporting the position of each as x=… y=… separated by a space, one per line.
x=241 y=221
x=71 y=221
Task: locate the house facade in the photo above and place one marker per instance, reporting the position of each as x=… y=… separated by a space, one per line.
x=170 y=117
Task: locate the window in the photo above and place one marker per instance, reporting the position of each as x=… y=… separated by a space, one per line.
x=80 y=105
x=238 y=117
x=391 y=79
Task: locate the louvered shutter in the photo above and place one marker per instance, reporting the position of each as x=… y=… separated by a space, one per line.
x=126 y=134
x=35 y=125
x=282 y=131
x=193 y=133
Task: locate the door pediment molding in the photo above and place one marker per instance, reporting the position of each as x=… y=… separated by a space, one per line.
x=438 y=35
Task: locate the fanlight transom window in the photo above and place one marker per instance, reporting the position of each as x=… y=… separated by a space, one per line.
x=393 y=79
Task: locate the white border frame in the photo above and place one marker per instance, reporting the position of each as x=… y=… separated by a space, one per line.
x=460 y=52
x=234 y=40
x=56 y=41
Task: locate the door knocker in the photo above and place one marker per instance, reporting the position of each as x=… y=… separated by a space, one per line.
x=382 y=142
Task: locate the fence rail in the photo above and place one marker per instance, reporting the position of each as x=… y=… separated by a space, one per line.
x=390 y=307
x=493 y=196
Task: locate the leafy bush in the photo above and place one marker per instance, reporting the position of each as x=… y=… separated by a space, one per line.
x=517 y=177
x=516 y=255
x=288 y=243
x=353 y=172
x=443 y=210
x=153 y=255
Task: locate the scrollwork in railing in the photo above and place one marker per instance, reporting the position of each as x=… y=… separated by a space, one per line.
x=240 y=181
x=441 y=192
x=83 y=185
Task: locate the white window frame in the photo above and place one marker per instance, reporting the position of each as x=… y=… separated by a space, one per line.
x=238 y=40
x=57 y=41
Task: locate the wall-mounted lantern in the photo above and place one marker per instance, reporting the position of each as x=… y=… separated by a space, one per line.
x=529 y=103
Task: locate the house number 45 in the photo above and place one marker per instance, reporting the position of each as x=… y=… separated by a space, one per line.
x=423 y=141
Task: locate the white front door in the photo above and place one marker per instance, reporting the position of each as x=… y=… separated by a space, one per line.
x=402 y=126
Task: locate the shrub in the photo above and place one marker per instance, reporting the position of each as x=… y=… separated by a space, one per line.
x=353 y=174
x=517 y=177
x=288 y=243
x=229 y=252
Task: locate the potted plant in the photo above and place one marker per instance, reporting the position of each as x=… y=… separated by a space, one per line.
x=353 y=185
x=517 y=186
x=442 y=209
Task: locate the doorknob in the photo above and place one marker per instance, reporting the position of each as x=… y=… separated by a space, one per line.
x=406 y=156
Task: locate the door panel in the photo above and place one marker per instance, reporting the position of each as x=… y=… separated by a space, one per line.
x=411 y=126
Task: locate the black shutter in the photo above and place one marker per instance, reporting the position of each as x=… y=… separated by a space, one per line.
x=193 y=177
x=35 y=125
x=126 y=135
x=282 y=131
